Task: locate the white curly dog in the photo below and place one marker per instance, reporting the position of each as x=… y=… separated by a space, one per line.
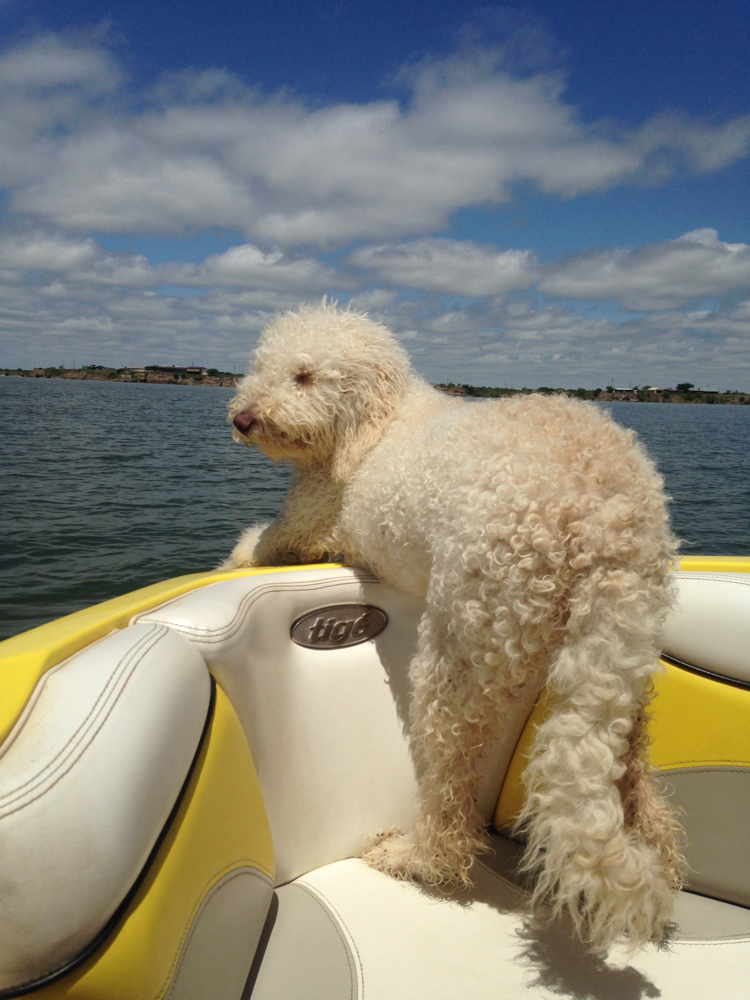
x=535 y=529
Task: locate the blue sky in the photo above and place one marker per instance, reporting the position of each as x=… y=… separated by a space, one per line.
x=528 y=194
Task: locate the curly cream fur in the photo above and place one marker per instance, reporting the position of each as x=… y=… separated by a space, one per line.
x=535 y=529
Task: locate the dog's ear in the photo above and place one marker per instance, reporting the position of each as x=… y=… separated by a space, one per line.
x=369 y=406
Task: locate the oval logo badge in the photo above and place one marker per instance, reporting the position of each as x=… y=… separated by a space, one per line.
x=338 y=626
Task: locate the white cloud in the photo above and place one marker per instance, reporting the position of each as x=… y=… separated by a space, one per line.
x=49 y=61
x=659 y=276
x=210 y=152
x=84 y=261
x=246 y=265
x=705 y=147
x=448 y=267
x=40 y=251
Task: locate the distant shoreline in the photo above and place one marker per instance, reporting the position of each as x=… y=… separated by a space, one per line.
x=601 y=395
x=229 y=380
x=221 y=379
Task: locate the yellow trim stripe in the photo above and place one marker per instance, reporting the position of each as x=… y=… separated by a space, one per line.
x=715 y=564
x=221 y=826
x=25 y=658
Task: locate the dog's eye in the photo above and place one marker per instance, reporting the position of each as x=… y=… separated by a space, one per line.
x=303 y=378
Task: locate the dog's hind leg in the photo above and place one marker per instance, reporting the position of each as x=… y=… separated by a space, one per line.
x=600 y=838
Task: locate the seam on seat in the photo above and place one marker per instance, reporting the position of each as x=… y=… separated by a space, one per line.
x=502 y=878
x=741 y=767
x=131 y=660
x=217 y=635
x=718 y=577
x=687 y=941
x=350 y=945
x=41 y=684
x=195 y=915
x=712 y=943
x=28 y=708
x=710 y=675
x=239 y=865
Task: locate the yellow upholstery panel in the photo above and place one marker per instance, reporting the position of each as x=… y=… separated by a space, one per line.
x=512 y=794
x=28 y=656
x=221 y=826
x=699 y=722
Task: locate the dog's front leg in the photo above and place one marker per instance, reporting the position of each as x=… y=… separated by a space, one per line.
x=451 y=722
x=302 y=533
x=261 y=544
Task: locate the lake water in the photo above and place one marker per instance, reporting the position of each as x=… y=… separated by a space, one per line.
x=107 y=487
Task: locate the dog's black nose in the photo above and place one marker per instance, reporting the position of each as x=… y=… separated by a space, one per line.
x=244 y=421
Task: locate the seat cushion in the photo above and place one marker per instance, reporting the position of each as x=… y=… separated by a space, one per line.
x=191 y=929
x=88 y=777
x=344 y=932
x=709 y=626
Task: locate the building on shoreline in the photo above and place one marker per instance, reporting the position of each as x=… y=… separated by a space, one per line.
x=172 y=370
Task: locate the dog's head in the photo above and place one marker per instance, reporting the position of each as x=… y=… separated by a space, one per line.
x=321 y=388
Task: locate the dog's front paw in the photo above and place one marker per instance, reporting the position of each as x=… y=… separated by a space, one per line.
x=392 y=852
x=403 y=856
x=244 y=552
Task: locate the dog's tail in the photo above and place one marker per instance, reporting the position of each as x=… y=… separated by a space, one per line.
x=600 y=837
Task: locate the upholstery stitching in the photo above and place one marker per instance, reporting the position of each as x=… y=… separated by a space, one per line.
x=216 y=635
x=326 y=905
x=195 y=918
x=741 y=767
x=136 y=652
x=685 y=940
x=502 y=878
x=31 y=701
x=702 y=943
x=178 y=597
x=73 y=742
x=212 y=881
x=213 y=636
x=44 y=790
x=110 y=681
x=714 y=578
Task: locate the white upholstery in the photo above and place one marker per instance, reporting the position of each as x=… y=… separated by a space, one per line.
x=88 y=777
x=403 y=943
x=327 y=728
x=710 y=625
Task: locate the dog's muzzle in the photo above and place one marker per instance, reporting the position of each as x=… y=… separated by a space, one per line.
x=244 y=421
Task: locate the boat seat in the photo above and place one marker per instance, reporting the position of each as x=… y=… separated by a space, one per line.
x=161 y=886
x=328 y=732
x=346 y=932
x=135 y=856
